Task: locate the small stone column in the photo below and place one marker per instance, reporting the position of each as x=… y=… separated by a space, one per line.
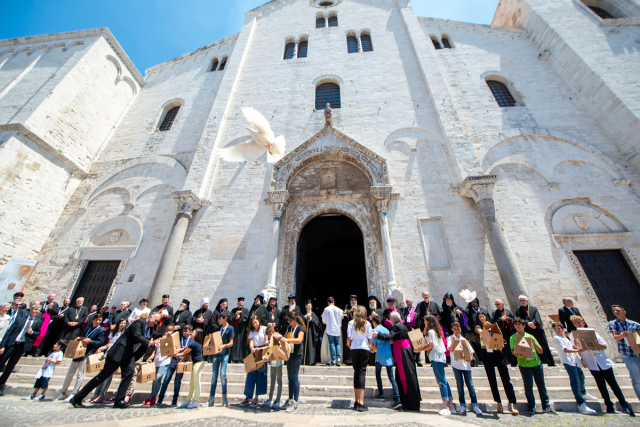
x=278 y=201
x=480 y=189
x=187 y=203
x=382 y=196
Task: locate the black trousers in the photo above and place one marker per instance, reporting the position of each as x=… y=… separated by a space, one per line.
x=492 y=361
x=10 y=359
x=359 y=359
x=127 y=367
x=607 y=377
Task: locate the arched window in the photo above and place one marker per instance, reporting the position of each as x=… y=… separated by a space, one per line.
x=601 y=12
x=302 y=49
x=436 y=44
x=223 y=64
x=365 y=40
x=445 y=43
x=501 y=93
x=327 y=93
x=320 y=23
x=333 y=21
x=214 y=66
x=352 y=44
x=167 y=122
x=289 y=50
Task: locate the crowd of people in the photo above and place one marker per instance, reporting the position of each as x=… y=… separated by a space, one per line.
x=358 y=335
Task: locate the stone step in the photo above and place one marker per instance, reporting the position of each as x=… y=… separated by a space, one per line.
x=428 y=404
x=347 y=380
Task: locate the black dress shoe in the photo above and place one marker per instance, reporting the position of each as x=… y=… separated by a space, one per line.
x=76 y=404
x=122 y=404
x=2 y=389
x=419 y=365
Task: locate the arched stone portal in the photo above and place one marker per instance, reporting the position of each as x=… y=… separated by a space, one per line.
x=331 y=173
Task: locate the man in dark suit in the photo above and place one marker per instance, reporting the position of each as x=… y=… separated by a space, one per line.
x=123 y=313
x=131 y=346
x=565 y=314
x=18 y=339
x=20 y=296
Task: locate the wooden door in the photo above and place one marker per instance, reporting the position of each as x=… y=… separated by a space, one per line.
x=96 y=282
x=612 y=280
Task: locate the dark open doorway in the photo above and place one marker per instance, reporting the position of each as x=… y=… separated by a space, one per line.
x=330 y=262
x=96 y=282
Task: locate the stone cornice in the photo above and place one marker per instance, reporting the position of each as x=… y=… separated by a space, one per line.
x=110 y=38
x=478 y=187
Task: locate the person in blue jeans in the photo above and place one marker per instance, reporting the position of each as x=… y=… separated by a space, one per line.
x=631 y=360
x=384 y=358
x=332 y=317
x=220 y=360
x=462 y=370
x=184 y=343
x=436 y=348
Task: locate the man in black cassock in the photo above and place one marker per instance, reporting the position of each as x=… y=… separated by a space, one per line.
x=471 y=312
x=312 y=323
x=406 y=373
x=220 y=308
x=238 y=320
x=74 y=317
x=535 y=327
x=259 y=309
x=273 y=314
x=55 y=328
x=374 y=307
x=182 y=317
x=166 y=316
x=349 y=312
x=202 y=318
x=284 y=313
x=504 y=318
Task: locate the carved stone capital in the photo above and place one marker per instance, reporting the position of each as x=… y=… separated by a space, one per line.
x=382 y=195
x=328 y=116
x=278 y=201
x=478 y=187
x=187 y=202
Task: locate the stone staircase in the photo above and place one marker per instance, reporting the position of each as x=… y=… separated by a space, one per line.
x=334 y=386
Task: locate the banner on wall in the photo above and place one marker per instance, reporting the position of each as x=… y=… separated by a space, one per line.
x=13 y=277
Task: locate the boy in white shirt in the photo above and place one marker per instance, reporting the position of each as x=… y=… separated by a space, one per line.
x=573 y=366
x=462 y=371
x=332 y=317
x=46 y=372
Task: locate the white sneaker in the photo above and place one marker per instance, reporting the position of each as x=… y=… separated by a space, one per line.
x=30 y=397
x=183 y=405
x=584 y=409
x=40 y=398
x=68 y=399
x=463 y=408
x=444 y=412
x=266 y=404
x=254 y=403
x=452 y=409
x=194 y=404
x=58 y=396
x=477 y=410
x=588 y=396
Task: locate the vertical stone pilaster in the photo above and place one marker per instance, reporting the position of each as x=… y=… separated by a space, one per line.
x=278 y=201
x=480 y=189
x=382 y=197
x=187 y=202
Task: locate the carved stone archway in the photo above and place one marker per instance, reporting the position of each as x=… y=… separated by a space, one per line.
x=362 y=212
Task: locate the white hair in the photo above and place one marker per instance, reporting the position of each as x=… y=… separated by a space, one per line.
x=396 y=315
x=498 y=299
x=523 y=296
x=5 y=305
x=564 y=300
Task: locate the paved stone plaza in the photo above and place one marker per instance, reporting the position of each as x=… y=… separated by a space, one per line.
x=18 y=412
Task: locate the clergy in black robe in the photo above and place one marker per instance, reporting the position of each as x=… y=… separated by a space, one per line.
x=55 y=328
x=312 y=324
x=374 y=307
x=565 y=314
x=504 y=318
x=273 y=314
x=406 y=373
x=535 y=327
x=215 y=314
x=202 y=318
x=284 y=313
x=451 y=312
x=182 y=317
x=74 y=317
x=349 y=312
x=427 y=307
x=386 y=314
x=471 y=312
x=238 y=320
x=260 y=310
x=166 y=313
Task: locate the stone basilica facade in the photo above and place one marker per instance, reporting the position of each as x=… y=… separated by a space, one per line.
x=502 y=159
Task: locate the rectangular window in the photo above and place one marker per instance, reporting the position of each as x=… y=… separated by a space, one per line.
x=352 y=44
x=302 y=49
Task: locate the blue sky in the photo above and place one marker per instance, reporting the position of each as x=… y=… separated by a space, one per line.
x=153 y=31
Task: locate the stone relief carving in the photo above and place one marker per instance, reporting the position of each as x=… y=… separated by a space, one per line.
x=115 y=236
x=581 y=222
x=75 y=279
x=116 y=281
x=361 y=211
x=633 y=259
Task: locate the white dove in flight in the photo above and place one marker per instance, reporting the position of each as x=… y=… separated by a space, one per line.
x=467 y=295
x=262 y=140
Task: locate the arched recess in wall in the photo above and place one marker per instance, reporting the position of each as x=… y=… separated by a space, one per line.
x=116 y=238
x=139 y=175
x=543 y=150
x=508 y=81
